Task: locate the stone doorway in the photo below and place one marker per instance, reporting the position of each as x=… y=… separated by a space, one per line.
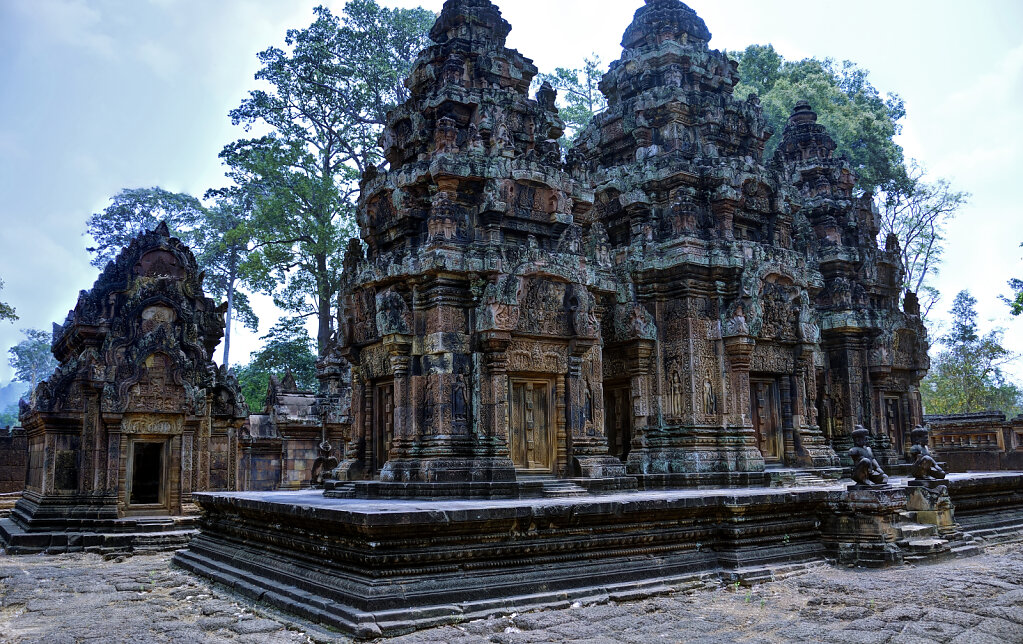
x=893 y=422
x=383 y=423
x=147 y=474
x=618 y=419
x=530 y=437
x=765 y=401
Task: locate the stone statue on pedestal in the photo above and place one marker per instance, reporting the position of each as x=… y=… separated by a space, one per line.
x=866 y=470
x=925 y=468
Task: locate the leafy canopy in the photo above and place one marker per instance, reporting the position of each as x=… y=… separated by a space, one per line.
x=326 y=102
x=861 y=120
x=967 y=376
x=1015 y=301
x=134 y=211
x=6 y=310
x=286 y=346
x=918 y=213
x=32 y=359
x=579 y=94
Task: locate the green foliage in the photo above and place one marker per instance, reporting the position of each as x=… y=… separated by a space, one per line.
x=6 y=310
x=9 y=416
x=134 y=211
x=1015 y=301
x=286 y=346
x=862 y=122
x=579 y=94
x=31 y=358
x=324 y=108
x=966 y=376
x=917 y=213
x=216 y=236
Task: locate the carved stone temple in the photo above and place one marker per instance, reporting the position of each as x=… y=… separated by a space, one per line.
x=668 y=301
x=136 y=417
x=665 y=308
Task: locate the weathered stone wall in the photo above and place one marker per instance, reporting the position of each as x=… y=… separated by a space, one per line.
x=984 y=441
x=13 y=459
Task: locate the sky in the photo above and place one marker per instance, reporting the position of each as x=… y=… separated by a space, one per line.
x=101 y=95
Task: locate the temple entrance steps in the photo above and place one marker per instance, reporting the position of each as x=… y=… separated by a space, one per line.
x=792 y=477
x=921 y=543
x=553 y=487
x=1009 y=528
x=7 y=501
x=342 y=490
x=559 y=489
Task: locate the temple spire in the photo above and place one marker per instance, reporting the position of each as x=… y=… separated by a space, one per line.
x=660 y=20
x=470 y=20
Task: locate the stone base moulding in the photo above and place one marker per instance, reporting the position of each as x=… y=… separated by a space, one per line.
x=374 y=567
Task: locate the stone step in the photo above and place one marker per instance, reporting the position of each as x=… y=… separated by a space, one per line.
x=559 y=489
x=926 y=546
x=966 y=550
x=341 y=491
x=910 y=531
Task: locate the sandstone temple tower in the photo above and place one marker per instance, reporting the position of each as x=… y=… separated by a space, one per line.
x=666 y=299
x=137 y=416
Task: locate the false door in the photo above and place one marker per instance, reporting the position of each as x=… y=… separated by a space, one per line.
x=383 y=423
x=530 y=440
x=618 y=419
x=893 y=422
x=766 y=412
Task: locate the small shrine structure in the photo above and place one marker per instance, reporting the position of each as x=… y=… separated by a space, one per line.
x=136 y=417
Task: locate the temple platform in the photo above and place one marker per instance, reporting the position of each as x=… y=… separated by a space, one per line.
x=373 y=567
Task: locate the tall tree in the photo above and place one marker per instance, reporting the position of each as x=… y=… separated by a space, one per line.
x=967 y=376
x=136 y=210
x=1015 y=301
x=579 y=94
x=287 y=346
x=31 y=358
x=326 y=102
x=221 y=245
x=863 y=123
x=861 y=120
x=216 y=236
x=917 y=213
x=6 y=310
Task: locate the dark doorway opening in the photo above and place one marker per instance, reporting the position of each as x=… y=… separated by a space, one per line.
x=146 y=473
x=618 y=419
x=383 y=424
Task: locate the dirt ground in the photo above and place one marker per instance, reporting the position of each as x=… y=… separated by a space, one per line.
x=84 y=598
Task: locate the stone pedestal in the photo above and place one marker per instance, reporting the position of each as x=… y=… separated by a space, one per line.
x=933 y=506
x=861 y=527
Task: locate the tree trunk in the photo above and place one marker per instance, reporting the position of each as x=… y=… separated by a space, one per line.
x=231 y=277
x=325 y=325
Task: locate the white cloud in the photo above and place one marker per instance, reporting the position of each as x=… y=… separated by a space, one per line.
x=73 y=23
x=160 y=60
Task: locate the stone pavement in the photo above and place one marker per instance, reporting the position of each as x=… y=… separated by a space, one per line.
x=84 y=598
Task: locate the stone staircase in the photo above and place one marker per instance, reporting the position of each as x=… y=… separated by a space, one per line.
x=340 y=490
x=803 y=478
x=921 y=543
x=558 y=488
